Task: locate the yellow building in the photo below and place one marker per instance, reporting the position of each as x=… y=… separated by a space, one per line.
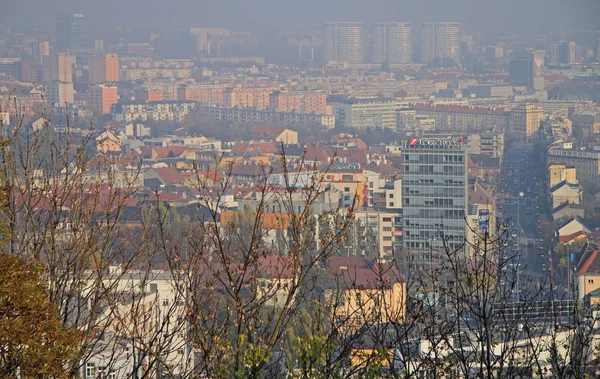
x=365 y=293
x=525 y=120
x=558 y=172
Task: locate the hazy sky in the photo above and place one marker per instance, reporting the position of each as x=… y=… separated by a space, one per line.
x=307 y=15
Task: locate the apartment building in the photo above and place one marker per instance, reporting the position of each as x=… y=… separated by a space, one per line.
x=344 y=42
x=157 y=111
x=248 y=97
x=392 y=43
x=369 y=112
x=299 y=101
x=209 y=94
x=558 y=172
x=525 y=120
x=104 y=68
x=585 y=161
x=102 y=97
x=267 y=116
x=463 y=118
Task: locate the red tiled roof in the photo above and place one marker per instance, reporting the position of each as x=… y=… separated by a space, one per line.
x=583 y=268
x=170 y=175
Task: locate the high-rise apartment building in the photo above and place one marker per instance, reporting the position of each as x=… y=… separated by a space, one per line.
x=447 y=41
x=344 y=42
x=72 y=33
x=566 y=52
x=554 y=54
x=104 y=68
x=427 y=42
x=439 y=42
x=392 y=43
x=57 y=67
x=434 y=199
x=102 y=97
x=527 y=70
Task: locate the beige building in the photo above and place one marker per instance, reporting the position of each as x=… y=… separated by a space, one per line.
x=369 y=112
x=104 y=68
x=586 y=162
x=525 y=120
x=344 y=42
x=558 y=172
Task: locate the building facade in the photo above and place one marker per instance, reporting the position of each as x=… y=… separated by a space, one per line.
x=434 y=199
x=344 y=42
x=104 y=68
x=392 y=43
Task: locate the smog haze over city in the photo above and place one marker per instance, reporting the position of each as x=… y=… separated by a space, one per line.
x=300 y=189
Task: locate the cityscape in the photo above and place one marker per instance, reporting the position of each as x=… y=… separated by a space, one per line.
x=288 y=191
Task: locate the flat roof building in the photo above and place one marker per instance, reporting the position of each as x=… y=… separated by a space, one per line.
x=434 y=199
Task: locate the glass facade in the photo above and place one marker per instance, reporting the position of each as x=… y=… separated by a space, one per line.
x=434 y=197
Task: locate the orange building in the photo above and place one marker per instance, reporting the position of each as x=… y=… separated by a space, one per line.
x=104 y=68
x=248 y=97
x=212 y=94
x=299 y=101
x=102 y=97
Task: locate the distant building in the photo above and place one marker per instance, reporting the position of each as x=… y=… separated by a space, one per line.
x=299 y=101
x=104 y=68
x=525 y=120
x=566 y=52
x=527 y=70
x=248 y=97
x=72 y=33
x=140 y=49
x=434 y=199
x=392 y=43
x=57 y=67
x=102 y=97
x=365 y=112
x=586 y=162
x=554 y=54
x=558 y=172
x=344 y=42
x=439 y=42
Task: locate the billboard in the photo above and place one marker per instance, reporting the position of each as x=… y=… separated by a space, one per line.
x=484 y=219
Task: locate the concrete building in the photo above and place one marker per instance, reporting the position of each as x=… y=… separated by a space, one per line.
x=586 y=162
x=392 y=43
x=299 y=101
x=407 y=120
x=439 y=42
x=447 y=41
x=102 y=97
x=364 y=112
x=525 y=121
x=72 y=33
x=565 y=192
x=558 y=172
x=57 y=67
x=209 y=94
x=527 y=70
x=104 y=68
x=566 y=52
x=344 y=42
x=157 y=111
x=61 y=94
x=554 y=54
x=434 y=198
x=248 y=97
x=463 y=118
x=263 y=116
